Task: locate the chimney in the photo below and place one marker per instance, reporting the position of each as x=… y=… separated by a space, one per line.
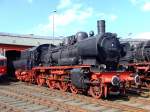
x=101 y=26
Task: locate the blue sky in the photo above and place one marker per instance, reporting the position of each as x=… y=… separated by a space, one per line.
x=123 y=17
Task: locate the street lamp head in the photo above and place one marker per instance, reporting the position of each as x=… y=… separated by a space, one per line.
x=54 y=11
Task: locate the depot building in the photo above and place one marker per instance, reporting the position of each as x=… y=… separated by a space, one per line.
x=12 y=44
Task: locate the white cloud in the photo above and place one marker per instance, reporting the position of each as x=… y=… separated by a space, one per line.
x=138 y=2
x=111 y=17
x=71 y=18
x=30 y=1
x=64 y=4
x=143 y=35
x=146 y=6
x=134 y=2
x=66 y=20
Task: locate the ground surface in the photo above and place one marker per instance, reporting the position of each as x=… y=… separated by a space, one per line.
x=22 y=97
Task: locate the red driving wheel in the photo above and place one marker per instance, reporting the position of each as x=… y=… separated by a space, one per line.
x=73 y=89
x=63 y=86
x=96 y=90
x=40 y=80
x=51 y=84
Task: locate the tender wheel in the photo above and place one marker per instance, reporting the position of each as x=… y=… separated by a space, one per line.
x=33 y=78
x=96 y=90
x=17 y=74
x=51 y=84
x=40 y=81
x=73 y=89
x=63 y=86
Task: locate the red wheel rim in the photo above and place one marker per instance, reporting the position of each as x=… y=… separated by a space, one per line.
x=17 y=74
x=32 y=77
x=73 y=89
x=51 y=84
x=40 y=81
x=63 y=86
x=96 y=91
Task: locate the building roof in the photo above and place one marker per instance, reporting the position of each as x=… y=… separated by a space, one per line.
x=133 y=41
x=27 y=40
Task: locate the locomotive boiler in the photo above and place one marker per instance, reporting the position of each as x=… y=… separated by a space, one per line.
x=81 y=63
x=79 y=49
x=103 y=48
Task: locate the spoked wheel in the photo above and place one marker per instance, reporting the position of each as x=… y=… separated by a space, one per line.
x=147 y=84
x=31 y=77
x=17 y=74
x=51 y=84
x=63 y=86
x=96 y=90
x=73 y=89
x=40 y=81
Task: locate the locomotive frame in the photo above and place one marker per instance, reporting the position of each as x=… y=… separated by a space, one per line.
x=58 y=77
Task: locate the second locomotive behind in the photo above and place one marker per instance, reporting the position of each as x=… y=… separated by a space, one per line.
x=137 y=60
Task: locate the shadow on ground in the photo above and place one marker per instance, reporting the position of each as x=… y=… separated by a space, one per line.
x=5 y=80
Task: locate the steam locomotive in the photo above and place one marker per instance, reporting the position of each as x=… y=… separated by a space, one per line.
x=138 y=61
x=81 y=63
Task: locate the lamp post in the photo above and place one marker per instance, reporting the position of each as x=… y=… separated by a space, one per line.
x=54 y=11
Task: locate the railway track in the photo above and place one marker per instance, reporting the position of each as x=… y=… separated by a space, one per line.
x=20 y=97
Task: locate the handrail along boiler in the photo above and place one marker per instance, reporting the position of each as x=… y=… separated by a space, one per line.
x=81 y=64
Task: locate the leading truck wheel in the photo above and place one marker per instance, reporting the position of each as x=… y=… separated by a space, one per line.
x=17 y=74
x=96 y=90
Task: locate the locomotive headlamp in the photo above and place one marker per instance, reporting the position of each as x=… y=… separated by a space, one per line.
x=115 y=81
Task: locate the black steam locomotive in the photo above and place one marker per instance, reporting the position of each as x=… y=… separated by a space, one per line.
x=80 y=63
x=103 y=48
